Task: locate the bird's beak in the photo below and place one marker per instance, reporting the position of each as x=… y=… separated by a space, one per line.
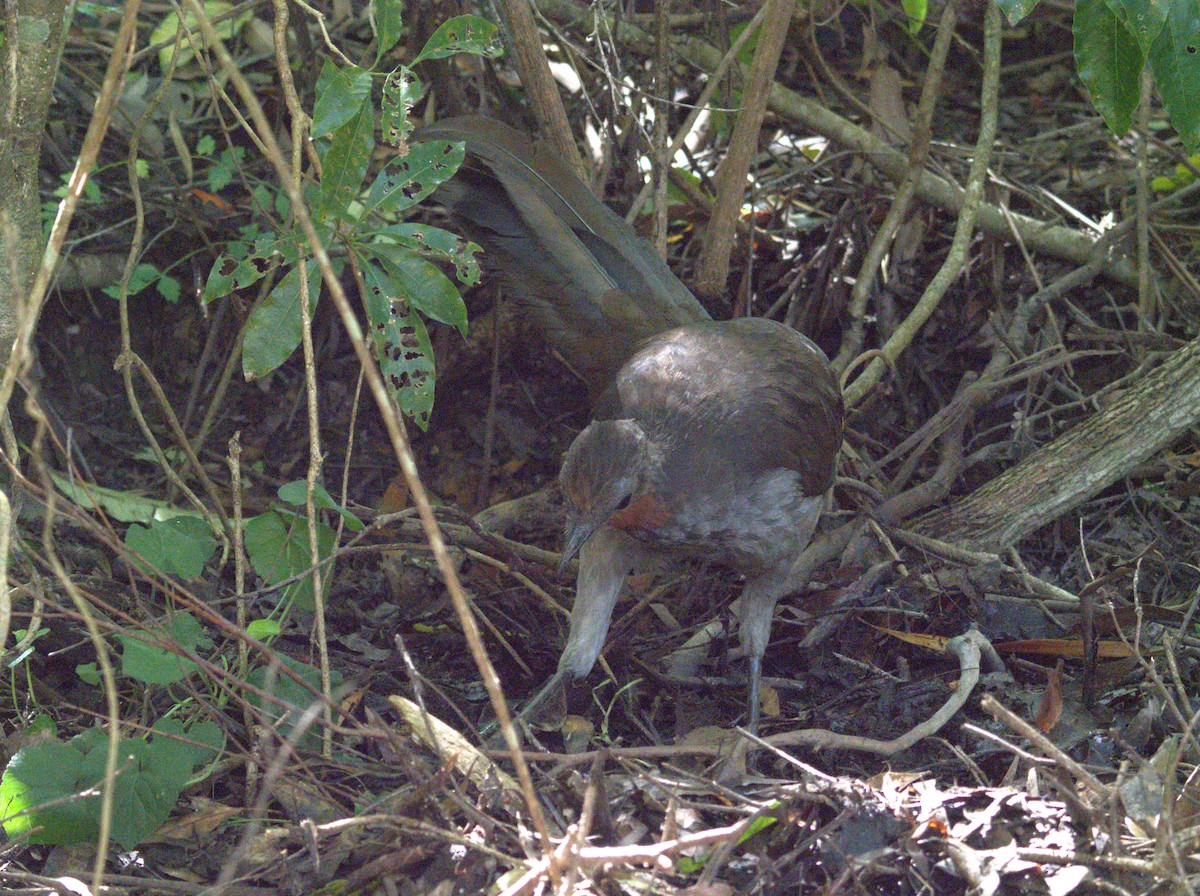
x=577 y=534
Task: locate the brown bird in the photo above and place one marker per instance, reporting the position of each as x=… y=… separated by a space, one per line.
x=716 y=440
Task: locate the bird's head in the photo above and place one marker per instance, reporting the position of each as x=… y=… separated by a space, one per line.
x=604 y=471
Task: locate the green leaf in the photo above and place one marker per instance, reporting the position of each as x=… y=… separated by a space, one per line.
x=1109 y=63
x=263 y=629
x=122 y=506
x=1175 y=61
x=1015 y=10
x=296 y=494
x=42 y=792
x=427 y=240
x=168 y=29
x=462 y=34
x=401 y=344
x=224 y=168
x=176 y=547
x=401 y=89
x=153 y=657
x=142 y=276
x=295 y=697
x=916 y=11
x=244 y=261
x=168 y=288
x=345 y=163
x=341 y=93
x=1143 y=19
x=274 y=327
x=88 y=673
x=423 y=286
x=407 y=180
x=277 y=546
x=388 y=22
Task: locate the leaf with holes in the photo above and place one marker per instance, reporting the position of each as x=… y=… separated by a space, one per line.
x=462 y=34
x=401 y=344
x=423 y=286
x=441 y=244
x=244 y=261
x=409 y=179
x=401 y=89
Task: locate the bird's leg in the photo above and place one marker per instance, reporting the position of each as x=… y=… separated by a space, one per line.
x=754 y=630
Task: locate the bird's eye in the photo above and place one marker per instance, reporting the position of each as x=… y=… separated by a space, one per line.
x=624 y=502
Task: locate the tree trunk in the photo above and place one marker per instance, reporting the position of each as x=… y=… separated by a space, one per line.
x=34 y=31
x=1144 y=419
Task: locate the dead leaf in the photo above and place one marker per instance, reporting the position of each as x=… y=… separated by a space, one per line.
x=1068 y=648
x=447 y=742
x=1051 y=706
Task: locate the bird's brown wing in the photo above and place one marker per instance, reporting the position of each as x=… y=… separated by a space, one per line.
x=596 y=289
x=738 y=398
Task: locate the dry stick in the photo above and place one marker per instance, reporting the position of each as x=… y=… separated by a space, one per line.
x=917 y=154
x=128 y=359
x=399 y=440
x=712 y=270
x=967 y=647
x=701 y=104
x=952 y=267
x=315 y=458
x=999 y=712
x=1145 y=297
x=1053 y=239
x=539 y=83
x=661 y=161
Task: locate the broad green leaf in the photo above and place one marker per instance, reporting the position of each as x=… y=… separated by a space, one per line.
x=1143 y=19
x=427 y=240
x=274 y=327
x=345 y=163
x=1109 y=63
x=388 y=22
x=168 y=30
x=296 y=494
x=295 y=697
x=263 y=629
x=423 y=286
x=401 y=344
x=277 y=546
x=407 y=180
x=462 y=34
x=42 y=792
x=1175 y=61
x=340 y=95
x=175 y=547
x=916 y=11
x=153 y=657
